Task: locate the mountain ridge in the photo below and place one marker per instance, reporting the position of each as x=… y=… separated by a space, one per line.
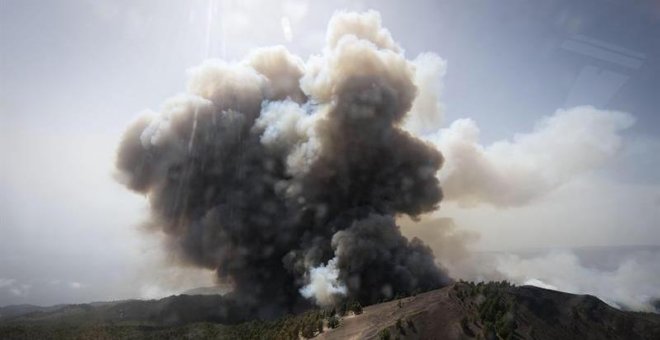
x=463 y=310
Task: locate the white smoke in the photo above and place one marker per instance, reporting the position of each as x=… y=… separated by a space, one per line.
x=518 y=172
x=427 y=113
x=631 y=284
x=539 y=283
x=365 y=26
x=622 y=277
x=288 y=128
x=514 y=172
x=324 y=285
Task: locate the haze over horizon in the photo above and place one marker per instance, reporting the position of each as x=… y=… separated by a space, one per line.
x=552 y=105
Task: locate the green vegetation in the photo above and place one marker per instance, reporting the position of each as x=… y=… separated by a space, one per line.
x=495 y=311
x=343 y=308
x=384 y=334
x=356 y=307
x=348 y=306
x=399 y=326
x=411 y=325
x=333 y=321
x=308 y=325
x=319 y=326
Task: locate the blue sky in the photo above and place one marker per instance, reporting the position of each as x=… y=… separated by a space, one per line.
x=73 y=74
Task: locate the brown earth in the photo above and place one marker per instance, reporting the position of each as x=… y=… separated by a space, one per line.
x=454 y=313
x=432 y=313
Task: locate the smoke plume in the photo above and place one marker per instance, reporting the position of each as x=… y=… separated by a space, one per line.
x=515 y=172
x=324 y=285
x=285 y=177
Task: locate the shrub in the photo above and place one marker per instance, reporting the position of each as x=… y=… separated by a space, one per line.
x=384 y=334
x=333 y=322
x=343 y=309
x=308 y=330
x=399 y=326
x=411 y=325
x=356 y=307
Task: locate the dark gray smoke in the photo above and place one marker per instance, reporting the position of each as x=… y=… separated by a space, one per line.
x=285 y=177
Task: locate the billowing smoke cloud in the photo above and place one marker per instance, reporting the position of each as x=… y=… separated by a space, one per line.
x=288 y=178
x=284 y=175
x=324 y=286
x=426 y=115
x=515 y=172
x=373 y=251
x=448 y=242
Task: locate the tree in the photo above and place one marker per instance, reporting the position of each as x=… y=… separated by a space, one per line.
x=308 y=330
x=356 y=307
x=399 y=326
x=384 y=334
x=411 y=325
x=333 y=322
x=343 y=309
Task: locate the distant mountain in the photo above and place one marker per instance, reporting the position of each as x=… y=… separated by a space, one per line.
x=18 y=310
x=459 y=311
x=212 y=290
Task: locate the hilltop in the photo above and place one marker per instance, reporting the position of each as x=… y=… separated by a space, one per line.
x=460 y=311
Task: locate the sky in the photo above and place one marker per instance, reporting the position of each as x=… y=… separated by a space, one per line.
x=74 y=74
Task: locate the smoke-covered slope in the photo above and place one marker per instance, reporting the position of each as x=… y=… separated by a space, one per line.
x=460 y=311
